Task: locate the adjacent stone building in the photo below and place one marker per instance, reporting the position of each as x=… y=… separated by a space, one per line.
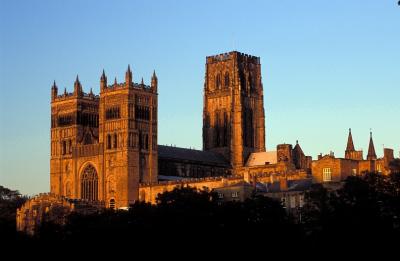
x=328 y=168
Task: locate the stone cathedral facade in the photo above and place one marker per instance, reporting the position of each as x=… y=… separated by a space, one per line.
x=103 y=146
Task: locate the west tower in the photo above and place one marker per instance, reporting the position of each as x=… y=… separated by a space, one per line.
x=103 y=146
x=233 y=113
x=74 y=138
x=128 y=131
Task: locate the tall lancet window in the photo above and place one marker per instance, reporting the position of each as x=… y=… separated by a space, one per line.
x=89 y=184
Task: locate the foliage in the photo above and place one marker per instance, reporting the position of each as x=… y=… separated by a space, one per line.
x=10 y=200
x=363 y=211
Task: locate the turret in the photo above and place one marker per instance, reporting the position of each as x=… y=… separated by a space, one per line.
x=350 y=152
x=77 y=87
x=371 y=149
x=154 y=82
x=350 y=144
x=128 y=77
x=103 y=81
x=54 y=91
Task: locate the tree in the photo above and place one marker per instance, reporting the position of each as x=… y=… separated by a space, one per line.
x=10 y=200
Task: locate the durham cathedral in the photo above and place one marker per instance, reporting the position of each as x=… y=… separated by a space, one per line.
x=105 y=152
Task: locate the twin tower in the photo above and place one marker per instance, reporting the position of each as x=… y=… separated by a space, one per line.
x=104 y=146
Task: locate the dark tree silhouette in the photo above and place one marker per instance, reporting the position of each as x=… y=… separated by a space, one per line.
x=10 y=200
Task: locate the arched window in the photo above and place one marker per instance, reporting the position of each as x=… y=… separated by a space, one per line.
x=112 y=203
x=89 y=183
x=217 y=130
x=108 y=141
x=225 y=131
x=64 y=147
x=69 y=146
x=226 y=80
x=115 y=141
x=88 y=139
x=248 y=137
x=142 y=168
x=218 y=81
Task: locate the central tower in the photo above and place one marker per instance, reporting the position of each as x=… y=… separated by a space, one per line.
x=233 y=114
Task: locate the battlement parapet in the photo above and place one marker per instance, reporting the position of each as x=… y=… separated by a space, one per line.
x=242 y=57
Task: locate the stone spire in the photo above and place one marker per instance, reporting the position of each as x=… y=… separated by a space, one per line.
x=154 y=81
x=77 y=87
x=128 y=76
x=350 y=144
x=54 y=90
x=103 y=81
x=371 y=149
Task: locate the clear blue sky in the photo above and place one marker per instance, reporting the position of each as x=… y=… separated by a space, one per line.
x=327 y=65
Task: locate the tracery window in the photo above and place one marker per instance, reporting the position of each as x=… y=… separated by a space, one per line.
x=218 y=81
x=108 y=141
x=226 y=80
x=89 y=184
x=115 y=145
x=112 y=113
x=64 y=147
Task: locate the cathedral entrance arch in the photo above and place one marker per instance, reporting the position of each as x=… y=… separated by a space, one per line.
x=89 y=183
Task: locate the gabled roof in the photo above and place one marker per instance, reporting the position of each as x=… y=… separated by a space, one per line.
x=297 y=149
x=205 y=157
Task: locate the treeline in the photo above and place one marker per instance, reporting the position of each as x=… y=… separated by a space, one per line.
x=365 y=211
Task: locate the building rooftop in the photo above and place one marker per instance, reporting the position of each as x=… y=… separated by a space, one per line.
x=261 y=158
x=169 y=152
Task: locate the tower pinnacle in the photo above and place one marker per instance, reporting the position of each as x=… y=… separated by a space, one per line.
x=371 y=148
x=128 y=76
x=350 y=144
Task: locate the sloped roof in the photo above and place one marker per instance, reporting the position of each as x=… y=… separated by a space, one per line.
x=297 y=149
x=260 y=158
x=206 y=157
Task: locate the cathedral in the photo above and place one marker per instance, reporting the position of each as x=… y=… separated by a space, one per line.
x=104 y=149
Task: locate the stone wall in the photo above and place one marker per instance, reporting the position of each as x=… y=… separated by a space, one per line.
x=50 y=207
